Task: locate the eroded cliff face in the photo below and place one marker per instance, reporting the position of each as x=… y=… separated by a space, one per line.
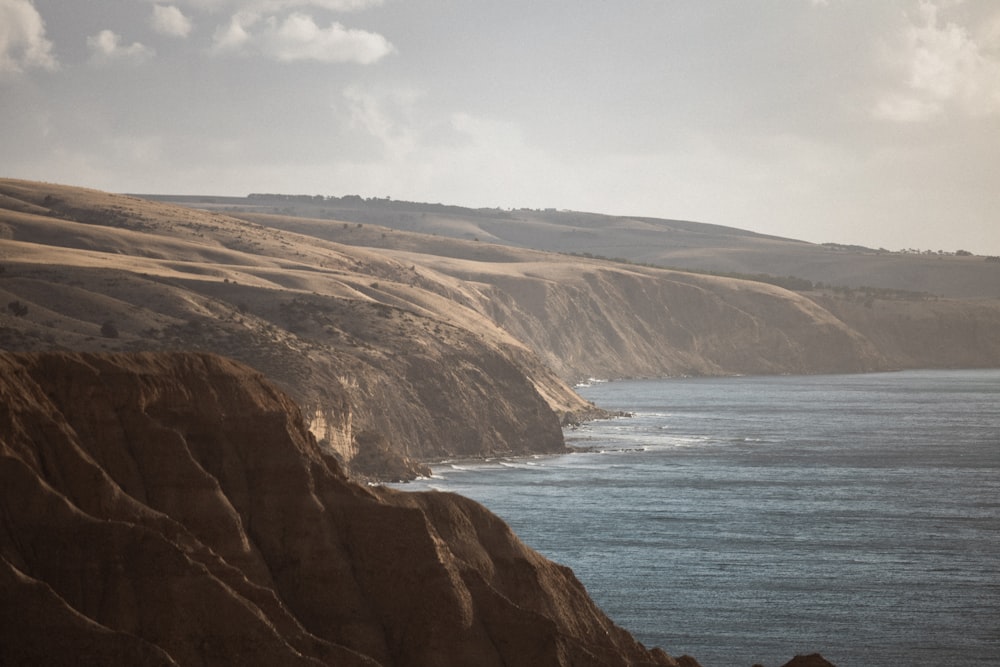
x=594 y=320
x=389 y=373
x=161 y=509
x=928 y=333
x=404 y=348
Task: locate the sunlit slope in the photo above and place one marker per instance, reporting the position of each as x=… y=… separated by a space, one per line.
x=663 y=242
x=385 y=368
x=589 y=317
x=400 y=344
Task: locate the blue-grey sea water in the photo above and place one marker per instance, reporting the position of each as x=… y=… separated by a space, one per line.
x=746 y=520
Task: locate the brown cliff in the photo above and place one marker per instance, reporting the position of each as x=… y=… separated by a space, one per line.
x=160 y=509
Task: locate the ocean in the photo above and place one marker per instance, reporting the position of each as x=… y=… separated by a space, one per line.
x=745 y=520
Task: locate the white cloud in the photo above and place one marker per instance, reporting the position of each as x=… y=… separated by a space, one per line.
x=23 y=44
x=106 y=47
x=943 y=66
x=234 y=36
x=171 y=21
x=298 y=37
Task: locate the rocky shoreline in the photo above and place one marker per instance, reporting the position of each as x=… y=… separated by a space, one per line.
x=403 y=348
x=173 y=509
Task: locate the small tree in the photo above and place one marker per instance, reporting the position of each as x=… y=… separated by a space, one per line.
x=109 y=329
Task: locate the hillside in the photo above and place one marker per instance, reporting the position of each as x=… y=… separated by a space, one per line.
x=668 y=243
x=588 y=317
x=403 y=347
x=382 y=366
x=173 y=509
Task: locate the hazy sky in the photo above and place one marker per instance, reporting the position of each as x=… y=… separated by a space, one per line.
x=857 y=121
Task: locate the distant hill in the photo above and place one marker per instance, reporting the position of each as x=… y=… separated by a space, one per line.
x=668 y=243
x=404 y=346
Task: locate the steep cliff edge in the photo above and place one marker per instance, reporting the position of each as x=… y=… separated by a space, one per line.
x=587 y=317
x=387 y=372
x=400 y=347
x=161 y=509
x=592 y=319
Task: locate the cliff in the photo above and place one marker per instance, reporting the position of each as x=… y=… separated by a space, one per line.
x=161 y=509
x=388 y=372
x=403 y=347
x=589 y=319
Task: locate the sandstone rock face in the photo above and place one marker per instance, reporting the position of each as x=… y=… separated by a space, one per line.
x=162 y=509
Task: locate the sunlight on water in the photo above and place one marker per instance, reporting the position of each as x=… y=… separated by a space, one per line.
x=745 y=520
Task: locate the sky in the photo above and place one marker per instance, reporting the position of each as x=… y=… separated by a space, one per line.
x=871 y=122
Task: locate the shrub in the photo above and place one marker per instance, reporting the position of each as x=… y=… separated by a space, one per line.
x=109 y=329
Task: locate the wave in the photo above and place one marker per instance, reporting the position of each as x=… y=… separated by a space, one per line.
x=618 y=450
x=519 y=465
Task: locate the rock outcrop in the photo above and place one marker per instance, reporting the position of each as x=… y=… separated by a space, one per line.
x=174 y=509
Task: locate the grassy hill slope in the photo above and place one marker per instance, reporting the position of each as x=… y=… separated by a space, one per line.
x=669 y=243
x=402 y=346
